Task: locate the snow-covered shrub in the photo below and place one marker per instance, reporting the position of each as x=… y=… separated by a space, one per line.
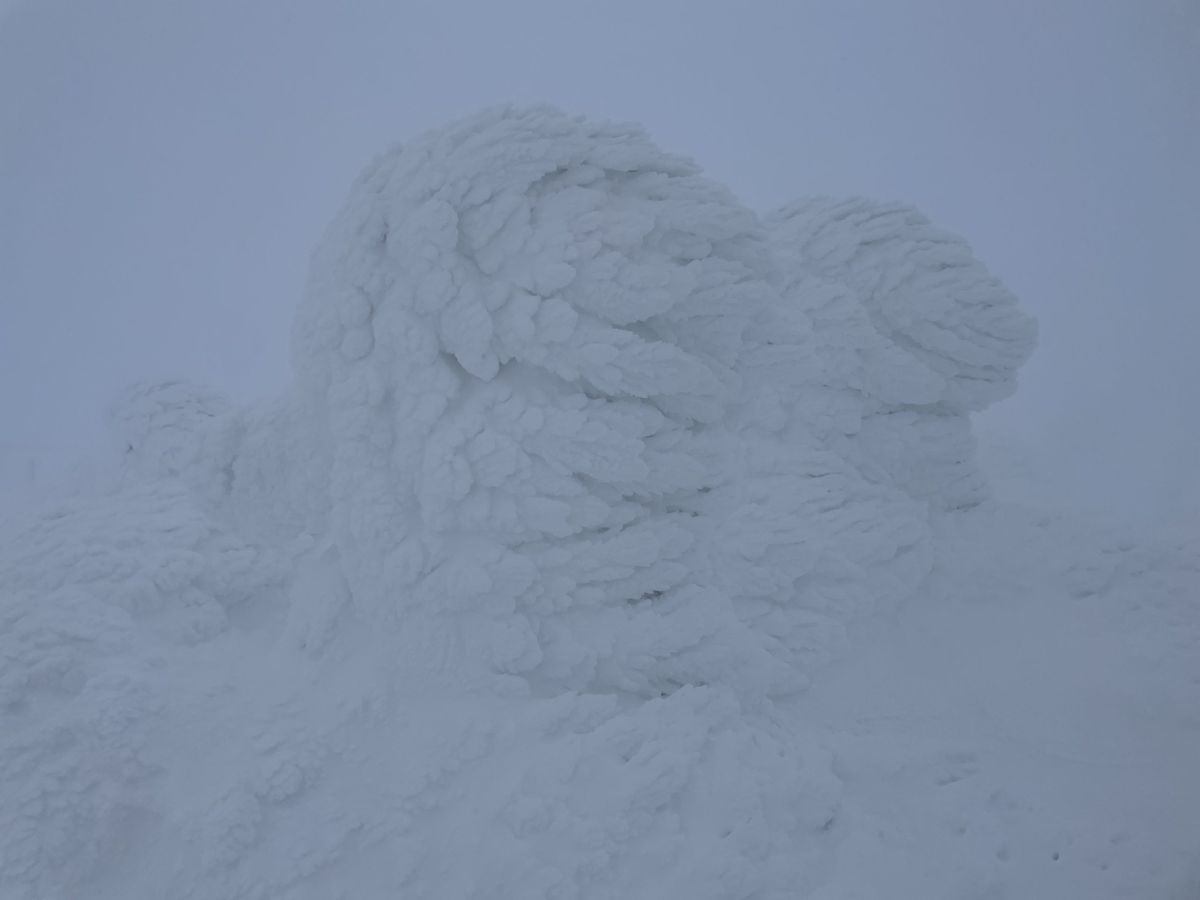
x=255 y=466
x=165 y=428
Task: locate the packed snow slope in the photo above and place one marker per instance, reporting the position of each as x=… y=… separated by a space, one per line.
x=613 y=541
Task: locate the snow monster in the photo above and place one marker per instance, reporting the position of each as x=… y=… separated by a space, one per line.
x=584 y=469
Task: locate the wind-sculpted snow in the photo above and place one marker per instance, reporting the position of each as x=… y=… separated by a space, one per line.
x=923 y=291
x=523 y=338
x=913 y=326
x=584 y=472
x=99 y=599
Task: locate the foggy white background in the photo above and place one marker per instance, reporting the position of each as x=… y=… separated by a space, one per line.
x=165 y=168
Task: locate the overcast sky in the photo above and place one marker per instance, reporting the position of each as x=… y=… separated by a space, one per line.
x=166 y=167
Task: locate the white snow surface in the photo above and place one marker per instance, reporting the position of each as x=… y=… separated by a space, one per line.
x=613 y=541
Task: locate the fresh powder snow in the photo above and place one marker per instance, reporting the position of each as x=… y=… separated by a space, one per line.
x=612 y=540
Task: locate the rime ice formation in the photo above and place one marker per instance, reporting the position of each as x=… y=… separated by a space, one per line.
x=174 y=430
x=914 y=325
x=525 y=343
x=103 y=602
x=520 y=340
x=584 y=471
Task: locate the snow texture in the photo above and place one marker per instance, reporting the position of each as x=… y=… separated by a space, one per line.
x=914 y=325
x=585 y=472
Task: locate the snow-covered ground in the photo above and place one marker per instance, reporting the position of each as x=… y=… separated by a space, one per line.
x=1028 y=725
x=613 y=541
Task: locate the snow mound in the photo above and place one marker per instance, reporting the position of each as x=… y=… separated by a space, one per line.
x=585 y=470
x=101 y=598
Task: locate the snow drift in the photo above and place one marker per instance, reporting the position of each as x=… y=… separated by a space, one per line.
x=585 y=469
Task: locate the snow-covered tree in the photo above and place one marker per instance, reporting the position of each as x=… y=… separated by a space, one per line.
x=522 y=338
x=913 y=326
x=522 y=346
x=583 y=471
